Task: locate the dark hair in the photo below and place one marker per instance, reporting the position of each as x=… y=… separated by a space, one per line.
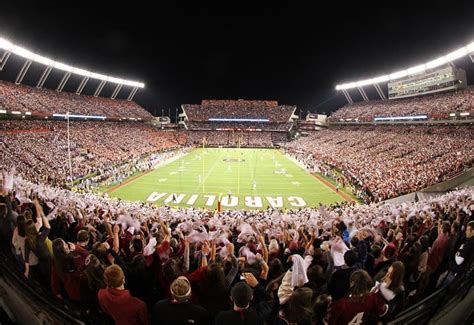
x=446 y=227
x=342 y=226
x=241 y=294
x=350 y=258
x=63 y=261
x=361 y=283
x=137 y=245
x=275 y=268
x=455 y=226
x=425 y=243
x=99 y=250
x=376 y=251
x=214 y=279
x=354 y=241
x=21 y=225
x=94 y=272
x=397 y=277
x=316 y=276
x=83 y=235
x=298 y=307
x=320 y=308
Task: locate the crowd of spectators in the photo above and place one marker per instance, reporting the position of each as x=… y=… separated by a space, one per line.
x=242 y=109
x=133 y=263
x=282 y=127
x=387 y=161
x=237 y=138
x=435 y=106
x=39 y=149
x=23 y=98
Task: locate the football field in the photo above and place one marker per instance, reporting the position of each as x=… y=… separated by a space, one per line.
x=235 y=177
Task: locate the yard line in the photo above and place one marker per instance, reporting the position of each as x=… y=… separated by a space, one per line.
x=209 y=171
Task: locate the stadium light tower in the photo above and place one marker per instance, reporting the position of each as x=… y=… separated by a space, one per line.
x=449 y=58
x=30 y=58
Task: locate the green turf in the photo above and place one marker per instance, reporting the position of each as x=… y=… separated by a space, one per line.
x=234 y=170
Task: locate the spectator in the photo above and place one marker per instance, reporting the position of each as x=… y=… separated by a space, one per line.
x=339 y=284
x=66 y=270
x=118 y=303
x=178 y=309
x=241 y=295
x=361 y=306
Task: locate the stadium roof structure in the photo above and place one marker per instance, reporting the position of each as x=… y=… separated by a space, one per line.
x=467 y=50
x=9 y=48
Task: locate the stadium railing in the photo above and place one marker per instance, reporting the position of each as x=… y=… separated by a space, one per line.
x=28 y=301
x=423 y=311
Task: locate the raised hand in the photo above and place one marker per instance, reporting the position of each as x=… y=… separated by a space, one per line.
x=250 y=279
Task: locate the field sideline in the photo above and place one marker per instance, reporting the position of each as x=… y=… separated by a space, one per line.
x=238 y=177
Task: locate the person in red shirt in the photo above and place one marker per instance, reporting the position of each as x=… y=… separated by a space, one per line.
x=438 y=249
x=66 y=269
x=361 y=306
x=118 y=303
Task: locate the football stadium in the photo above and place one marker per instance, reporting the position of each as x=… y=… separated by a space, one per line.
x=160 y=174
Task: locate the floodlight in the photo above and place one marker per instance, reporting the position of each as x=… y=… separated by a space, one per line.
x=436 y=63
x=468 y=49
x=457 y=54
x=6 y=45
x=349 y=85
x=398 y=75
x=115 y=80
x=43 y=60
x=364 y=83
x=98 y=76
x=417 y=69
x=81 y=72
x=23 y=52
x=61 y=66
x=20 y=51
x=380 y=79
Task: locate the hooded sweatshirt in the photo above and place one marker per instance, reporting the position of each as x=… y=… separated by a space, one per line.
x=122 y=307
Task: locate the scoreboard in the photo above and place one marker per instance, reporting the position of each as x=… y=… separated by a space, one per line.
x=438 y=80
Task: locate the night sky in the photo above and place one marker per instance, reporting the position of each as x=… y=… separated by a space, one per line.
x=295 y=55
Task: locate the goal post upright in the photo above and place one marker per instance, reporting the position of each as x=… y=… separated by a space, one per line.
x=203 y=157
x=239 y=160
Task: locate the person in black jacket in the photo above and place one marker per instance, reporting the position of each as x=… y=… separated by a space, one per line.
x=339 y=284
x=6 y=219
x=242 y=313
x=178 y=310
